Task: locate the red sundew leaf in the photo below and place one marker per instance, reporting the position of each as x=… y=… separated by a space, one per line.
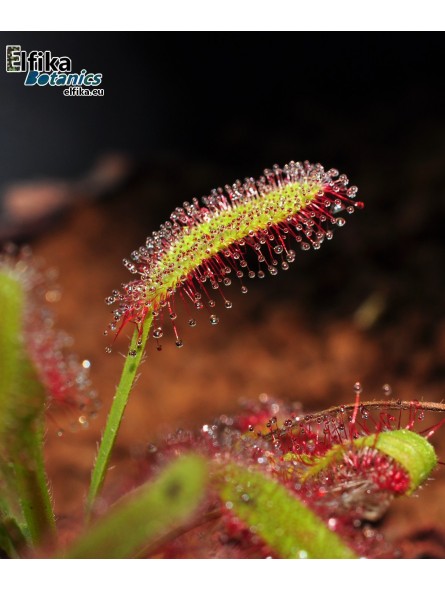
x=341 y=464
x=202 y=246
x=342 y=477
x=64 y=378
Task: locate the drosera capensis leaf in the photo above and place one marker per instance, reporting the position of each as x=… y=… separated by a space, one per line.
x=289 y=528
x=22 y=403
x=11 y=306
x=202 y=244
x=411 y=451
x=147 y=514
x=64 y=380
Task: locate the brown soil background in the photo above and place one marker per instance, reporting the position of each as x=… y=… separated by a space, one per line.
x=298 y=336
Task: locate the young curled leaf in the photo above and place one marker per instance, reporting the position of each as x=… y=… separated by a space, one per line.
x=411 y=451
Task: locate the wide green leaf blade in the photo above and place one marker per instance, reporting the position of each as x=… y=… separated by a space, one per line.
x=147 y=514
x=288 y=526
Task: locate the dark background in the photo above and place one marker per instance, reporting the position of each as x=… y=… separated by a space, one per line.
x=368 y=102
x=192 y=111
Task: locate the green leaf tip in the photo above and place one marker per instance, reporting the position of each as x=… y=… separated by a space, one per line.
x=142 y=517
x=22 y=396
x=22 y=403
x=288 y=526
x=412 y=451
x=11 y=306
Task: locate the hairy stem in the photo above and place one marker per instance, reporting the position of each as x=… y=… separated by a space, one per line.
x=12 y=541
x=32 y=487
x=118 y=406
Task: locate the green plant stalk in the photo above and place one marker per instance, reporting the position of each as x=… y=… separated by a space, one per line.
x=9 y=533
x=32 y=485
x=10 y=507
x=147 y=514
x=117 y=410
x=288 y=527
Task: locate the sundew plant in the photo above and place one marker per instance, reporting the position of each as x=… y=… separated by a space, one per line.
x=270 y=482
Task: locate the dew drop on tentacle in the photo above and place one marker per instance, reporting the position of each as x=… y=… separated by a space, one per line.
x=352 y=192
x=290 y=257
x=358 y=389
